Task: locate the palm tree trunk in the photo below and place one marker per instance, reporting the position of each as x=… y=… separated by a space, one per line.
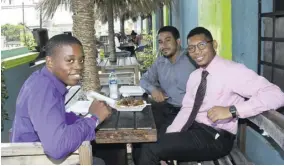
x=83 y=29
x=112 y=56
x=122 y=25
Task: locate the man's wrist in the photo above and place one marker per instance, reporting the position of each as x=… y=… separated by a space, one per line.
x=151 y=89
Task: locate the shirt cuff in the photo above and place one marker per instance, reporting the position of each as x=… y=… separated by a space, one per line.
x=244 y=110
x=94 y=117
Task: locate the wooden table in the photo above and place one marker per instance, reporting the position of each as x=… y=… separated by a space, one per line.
x=121 y=127
x=123 y=64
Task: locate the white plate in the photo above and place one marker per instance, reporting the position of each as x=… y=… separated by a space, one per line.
x=112 y=103
x=131 y=108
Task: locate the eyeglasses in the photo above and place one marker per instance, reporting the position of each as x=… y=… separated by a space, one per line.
x=201 y=46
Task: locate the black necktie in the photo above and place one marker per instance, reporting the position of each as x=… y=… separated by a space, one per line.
x=198 y=101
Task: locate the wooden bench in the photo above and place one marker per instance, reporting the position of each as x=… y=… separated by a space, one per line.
x=33 y=154
x=272 y=122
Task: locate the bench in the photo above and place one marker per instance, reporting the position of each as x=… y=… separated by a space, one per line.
x=33 y=154
x=272 y=122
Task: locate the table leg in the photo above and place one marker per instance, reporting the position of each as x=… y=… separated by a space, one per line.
x=129 y=154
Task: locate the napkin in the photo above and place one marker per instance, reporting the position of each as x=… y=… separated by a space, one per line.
x=94 y=95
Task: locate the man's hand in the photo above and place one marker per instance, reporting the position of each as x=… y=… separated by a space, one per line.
x=158 y=96
x=219 y=113
x=100 y=109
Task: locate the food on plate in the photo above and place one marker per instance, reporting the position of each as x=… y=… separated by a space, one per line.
x=130 y=102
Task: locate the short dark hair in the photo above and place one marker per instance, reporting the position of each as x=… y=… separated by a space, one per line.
x=173 y=30
x=199 y=31
x=60 y=40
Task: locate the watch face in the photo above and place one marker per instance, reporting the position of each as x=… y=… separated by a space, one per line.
x=233 y=111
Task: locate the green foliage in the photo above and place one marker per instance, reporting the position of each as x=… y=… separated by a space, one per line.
x=4 y=97
x=148 y=56
x=12 y=32
x=16 y=33
x=30 y=41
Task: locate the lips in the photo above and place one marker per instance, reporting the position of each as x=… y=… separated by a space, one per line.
x=75 y=76
x=199 y=59
x=165 y=50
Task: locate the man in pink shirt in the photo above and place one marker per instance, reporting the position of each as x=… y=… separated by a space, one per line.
x=207 y=123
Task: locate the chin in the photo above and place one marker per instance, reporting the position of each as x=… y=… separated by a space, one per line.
x=201 y=64
x=72 y=83
x=168 y=55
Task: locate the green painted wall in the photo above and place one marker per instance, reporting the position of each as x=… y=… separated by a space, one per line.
x=215 y=15
x=19 y=60
x=13 y=52
x=166 y=15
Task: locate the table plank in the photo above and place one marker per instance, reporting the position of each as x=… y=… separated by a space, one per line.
x=134 y=61
x=145 y=119
x=110 y=123
x=128 y=61
x=126 y=120
x=120 y=61
x=126 y=136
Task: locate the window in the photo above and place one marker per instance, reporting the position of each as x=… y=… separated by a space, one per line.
x=271 y=43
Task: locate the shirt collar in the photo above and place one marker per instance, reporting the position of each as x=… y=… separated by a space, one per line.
x=60 y=86
x=181 y=53
x=213 y=65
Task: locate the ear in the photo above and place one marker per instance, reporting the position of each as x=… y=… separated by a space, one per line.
x=215 y=45
x=49 y=62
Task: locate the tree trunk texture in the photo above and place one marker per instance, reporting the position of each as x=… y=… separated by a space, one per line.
x=84 y=30
x=112 y=56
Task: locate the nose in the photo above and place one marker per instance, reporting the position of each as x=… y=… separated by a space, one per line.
x=78 y=65
x=161 y=46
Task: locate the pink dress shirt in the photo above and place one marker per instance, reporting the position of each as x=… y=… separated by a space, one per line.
x=228 y=83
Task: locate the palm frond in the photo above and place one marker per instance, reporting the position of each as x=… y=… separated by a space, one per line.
x=129 y=9
x=121 y=8
x=49 y=7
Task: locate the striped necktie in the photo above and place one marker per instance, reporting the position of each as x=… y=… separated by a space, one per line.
x=198 y=101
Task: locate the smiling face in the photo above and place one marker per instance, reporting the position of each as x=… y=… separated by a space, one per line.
x=201 y=50
x=168 y=45
x=66 y=63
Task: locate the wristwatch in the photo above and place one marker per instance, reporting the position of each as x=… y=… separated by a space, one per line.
x=233 y=111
